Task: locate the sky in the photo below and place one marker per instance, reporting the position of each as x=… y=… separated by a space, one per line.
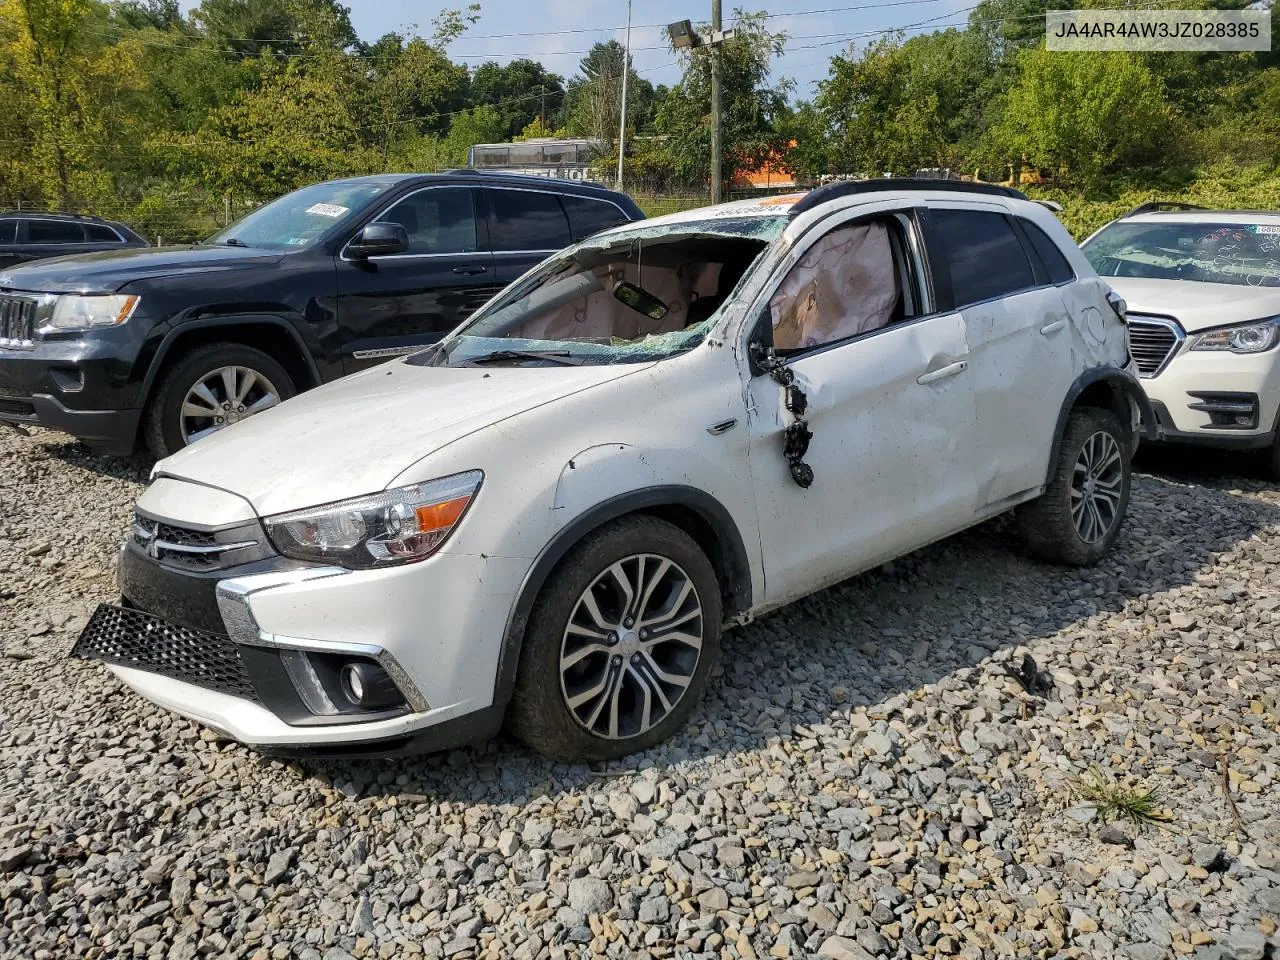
x=559 y=32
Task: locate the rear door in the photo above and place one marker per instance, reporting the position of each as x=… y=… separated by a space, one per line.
x=526 y=226
x=393 y=305
x=39 y=238
x=1019 y=336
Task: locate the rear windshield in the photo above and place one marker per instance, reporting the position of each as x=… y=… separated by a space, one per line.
x=300 y=218
x=1243 y=254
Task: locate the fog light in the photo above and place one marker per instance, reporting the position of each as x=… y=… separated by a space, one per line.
x=369 y=687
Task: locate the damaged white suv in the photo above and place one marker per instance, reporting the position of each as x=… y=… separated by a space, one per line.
x=548 y=517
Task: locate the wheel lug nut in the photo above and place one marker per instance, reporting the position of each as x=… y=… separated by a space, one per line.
x=635 y=658
x=644 y=634
x=240 y=409
x=217 y=420
x=613 y=638
x=226 y=406
x=630 y=621
x=616 y=661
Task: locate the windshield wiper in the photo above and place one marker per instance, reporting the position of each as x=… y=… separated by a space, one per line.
x=497 y=356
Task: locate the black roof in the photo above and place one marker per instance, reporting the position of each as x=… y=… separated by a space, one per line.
x=50 y=215
x=845 y=188
x=523 y=179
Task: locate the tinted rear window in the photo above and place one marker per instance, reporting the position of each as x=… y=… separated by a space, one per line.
x=1050 y=255
x=100 y=234
x=8 y=231
x=524 y=220
x=54 y=231
x=588 y=217
x=983 y=252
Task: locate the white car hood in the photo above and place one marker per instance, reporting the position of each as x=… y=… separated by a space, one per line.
x=357 y=434
x=1197 y=305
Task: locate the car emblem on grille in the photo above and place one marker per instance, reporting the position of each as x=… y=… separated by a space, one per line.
x=147 y=540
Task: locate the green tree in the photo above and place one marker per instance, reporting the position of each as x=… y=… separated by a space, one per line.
x=594 y=96
x=287 y=26
x=481 y=124
x=521 y=91
x=1086 y=116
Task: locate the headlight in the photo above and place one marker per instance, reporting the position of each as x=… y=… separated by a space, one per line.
x=76 y=312
x=1244 y=338
x=398 y=526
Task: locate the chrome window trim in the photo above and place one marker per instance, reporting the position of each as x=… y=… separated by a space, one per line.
x=1180 y=339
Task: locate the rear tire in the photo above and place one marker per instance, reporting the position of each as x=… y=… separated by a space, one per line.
x=165 y=427
x=588 y=633
x=1272 y=465
x=1078 y=518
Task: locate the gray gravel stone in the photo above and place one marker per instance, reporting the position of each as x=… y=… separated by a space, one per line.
x=864 y=778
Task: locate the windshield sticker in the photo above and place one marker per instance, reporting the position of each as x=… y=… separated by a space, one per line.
x=1268 y=229
x=327 y=210
x=296 y=242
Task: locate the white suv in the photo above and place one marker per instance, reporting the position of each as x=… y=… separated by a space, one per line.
x=1203 y=292
x=547 y=518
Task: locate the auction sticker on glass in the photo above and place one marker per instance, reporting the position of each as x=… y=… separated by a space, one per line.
x=1158 y=30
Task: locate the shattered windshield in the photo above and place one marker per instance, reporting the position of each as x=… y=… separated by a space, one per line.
x=636 y=296
x=1237 y=253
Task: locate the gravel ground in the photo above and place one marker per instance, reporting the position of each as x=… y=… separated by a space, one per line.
x=864 y=779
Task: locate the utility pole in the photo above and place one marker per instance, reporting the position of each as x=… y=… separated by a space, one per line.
x=626 y=70
x=683 y=37
x=715 y=104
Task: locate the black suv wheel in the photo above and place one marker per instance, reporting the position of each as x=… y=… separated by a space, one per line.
x=209 y=389
x=1078 y=517
x=619 y=645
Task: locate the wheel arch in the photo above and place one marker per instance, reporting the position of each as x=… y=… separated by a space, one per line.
x=694 y=511
x=1111 y=389
x=272 y=334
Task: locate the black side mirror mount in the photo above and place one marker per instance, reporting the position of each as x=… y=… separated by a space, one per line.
x=378 y=240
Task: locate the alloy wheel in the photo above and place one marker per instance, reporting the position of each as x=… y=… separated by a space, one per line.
x=1097 y=482
x=631 y=647
x=222 y=397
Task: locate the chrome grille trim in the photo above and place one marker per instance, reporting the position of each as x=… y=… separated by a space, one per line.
x=17 y=322
x=1153 y=342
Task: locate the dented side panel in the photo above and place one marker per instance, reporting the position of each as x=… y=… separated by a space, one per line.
x=892 y=458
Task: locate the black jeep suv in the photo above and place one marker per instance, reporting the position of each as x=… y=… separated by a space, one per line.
x=172 y=344
x=27 y=236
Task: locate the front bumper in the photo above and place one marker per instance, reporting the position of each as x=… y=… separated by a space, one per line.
x=1217 y=399
x=82 y=387
x=436 y=627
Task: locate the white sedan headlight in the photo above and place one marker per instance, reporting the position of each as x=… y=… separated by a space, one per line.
x=383 y=529
x=1254 y=337
x=74 y=311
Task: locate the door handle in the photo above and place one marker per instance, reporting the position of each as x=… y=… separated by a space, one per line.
x=1054 y=327
x=470 y=271
x=950 y=370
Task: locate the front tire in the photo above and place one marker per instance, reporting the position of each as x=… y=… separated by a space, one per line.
x=1078 y=518
x=619 y=645
x=209 y=389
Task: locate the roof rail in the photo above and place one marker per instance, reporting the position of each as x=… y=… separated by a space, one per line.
x=845 y=188
x=1153 y=206
x=53 y=213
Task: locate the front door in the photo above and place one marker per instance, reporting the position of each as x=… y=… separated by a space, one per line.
x=887 y=400
x=395 y=304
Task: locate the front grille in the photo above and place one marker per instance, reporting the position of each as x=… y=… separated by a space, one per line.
x=17 y=322
x=1152 y=342
x=196 y=549
x=141 y=641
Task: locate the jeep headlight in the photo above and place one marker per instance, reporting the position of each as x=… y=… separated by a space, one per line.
x=1254 y=337
x=74 y=311
x=396 y=526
